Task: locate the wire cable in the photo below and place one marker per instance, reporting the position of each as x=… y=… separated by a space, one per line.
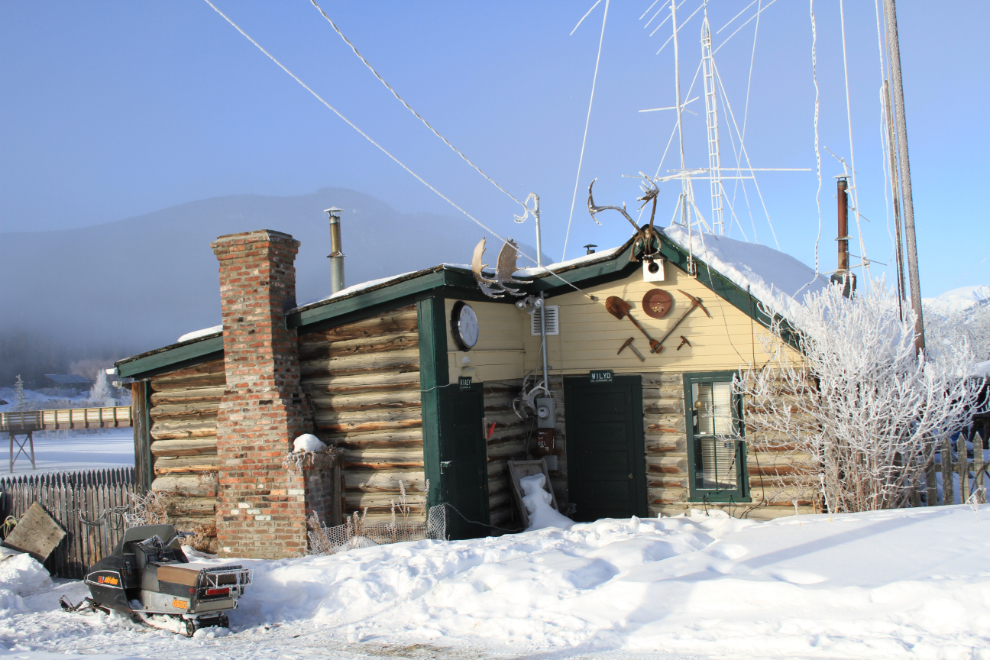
x=584 y=140
x=818 y=155
x=597 y=2
x=864 y=261
x=409 y=108
x=387 y=153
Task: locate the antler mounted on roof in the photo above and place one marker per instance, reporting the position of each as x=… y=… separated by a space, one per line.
x=645 y=235
x=505 y=266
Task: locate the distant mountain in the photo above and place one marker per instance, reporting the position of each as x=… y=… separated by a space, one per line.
x=140 y=283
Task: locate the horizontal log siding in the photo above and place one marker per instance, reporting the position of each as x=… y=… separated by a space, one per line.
x=508 y=441
x=184 y=407
x=363 y=382
x=667 y=458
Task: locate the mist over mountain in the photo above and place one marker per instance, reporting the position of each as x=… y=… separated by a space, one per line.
x=128 y=286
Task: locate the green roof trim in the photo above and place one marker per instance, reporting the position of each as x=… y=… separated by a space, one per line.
x=174 y=356
x=456 y=282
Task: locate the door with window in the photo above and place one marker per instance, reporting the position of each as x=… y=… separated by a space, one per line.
x=606 y=457
x=715 y=435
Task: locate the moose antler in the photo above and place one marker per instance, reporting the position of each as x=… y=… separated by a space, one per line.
x=505 y=266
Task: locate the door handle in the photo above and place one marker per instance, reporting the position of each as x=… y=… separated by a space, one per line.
x=446 y=464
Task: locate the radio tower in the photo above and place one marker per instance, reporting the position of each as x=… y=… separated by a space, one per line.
x=711 y=116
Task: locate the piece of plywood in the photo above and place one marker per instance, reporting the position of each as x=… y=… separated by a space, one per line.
x=36 y=533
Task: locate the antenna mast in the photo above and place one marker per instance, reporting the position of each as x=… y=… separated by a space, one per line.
x=711 y=116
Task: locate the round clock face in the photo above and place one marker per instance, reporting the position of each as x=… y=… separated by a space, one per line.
x=464 y=326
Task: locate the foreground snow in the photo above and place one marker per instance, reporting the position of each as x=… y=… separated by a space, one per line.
x=908 y=583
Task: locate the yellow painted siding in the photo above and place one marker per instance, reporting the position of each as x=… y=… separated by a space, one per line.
x=590 y=337
x=498 y=355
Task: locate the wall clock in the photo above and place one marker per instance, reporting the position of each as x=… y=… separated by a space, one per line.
x=464 y=326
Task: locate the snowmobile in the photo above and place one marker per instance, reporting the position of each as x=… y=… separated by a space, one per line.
x=152 y=581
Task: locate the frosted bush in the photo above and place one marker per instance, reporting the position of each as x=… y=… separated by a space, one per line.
x=856 y=419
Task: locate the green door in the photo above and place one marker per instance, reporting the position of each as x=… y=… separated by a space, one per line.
x=606 y=457
x=464 y=461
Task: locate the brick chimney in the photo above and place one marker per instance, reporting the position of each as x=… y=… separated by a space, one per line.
x=261 y=508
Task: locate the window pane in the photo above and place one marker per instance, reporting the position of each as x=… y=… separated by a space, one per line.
x=723 y=409
x=718 y=464
x=713 y=404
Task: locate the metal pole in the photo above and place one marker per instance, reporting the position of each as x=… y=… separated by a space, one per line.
x=894 y=193
x=543 y=302
x=684 y=181
x=843 y=239
x=894 y=57
x=336 y=255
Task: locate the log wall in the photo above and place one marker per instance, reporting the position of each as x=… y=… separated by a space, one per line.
x=508 y=441
x=362 y=379
x=184 y=406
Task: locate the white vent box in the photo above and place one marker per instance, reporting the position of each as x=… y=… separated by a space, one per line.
x=553 y=320
x=653 y=270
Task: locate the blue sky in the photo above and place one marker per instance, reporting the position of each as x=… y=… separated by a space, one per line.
x=114 y=109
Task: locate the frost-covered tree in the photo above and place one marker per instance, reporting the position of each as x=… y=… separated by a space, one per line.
x=20 y=398
x=102 y=390
x=857 y=411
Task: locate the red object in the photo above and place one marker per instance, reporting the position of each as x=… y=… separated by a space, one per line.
x=544 y=441
x=217 y=592
x=491 y=430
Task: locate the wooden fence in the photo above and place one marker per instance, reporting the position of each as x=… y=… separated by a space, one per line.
x=89 y=506
x=66 y=418
x=959 y=472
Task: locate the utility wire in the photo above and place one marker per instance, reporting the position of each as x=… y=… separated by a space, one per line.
x=386 y=152
x=864 y=261
x=597 y=2
x=584 y=140
x=409 y=108
x=818 y=155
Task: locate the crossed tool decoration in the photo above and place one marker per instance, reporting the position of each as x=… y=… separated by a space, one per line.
x=619 y=308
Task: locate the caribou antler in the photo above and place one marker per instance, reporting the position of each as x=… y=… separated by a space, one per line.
x=645 y=235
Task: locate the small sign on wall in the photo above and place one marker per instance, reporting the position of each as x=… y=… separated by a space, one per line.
x=601 y=376
x=464 y=382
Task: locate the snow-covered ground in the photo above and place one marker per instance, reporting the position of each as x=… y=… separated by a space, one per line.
x=66 y=451
x=905 y=583
x=72 y=451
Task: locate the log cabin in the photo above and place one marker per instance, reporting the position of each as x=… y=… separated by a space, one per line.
x=419 y=379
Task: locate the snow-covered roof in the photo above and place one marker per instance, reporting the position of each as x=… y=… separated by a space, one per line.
x=196 y=334
x=773 y=277
x=68 y=379
x=536 y=271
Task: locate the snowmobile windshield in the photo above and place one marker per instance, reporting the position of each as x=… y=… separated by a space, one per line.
x=145 y=532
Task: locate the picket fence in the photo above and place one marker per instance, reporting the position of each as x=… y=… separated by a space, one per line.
x=89 y=506
x=958 y=473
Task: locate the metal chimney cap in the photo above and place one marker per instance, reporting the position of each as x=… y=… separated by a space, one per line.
x=333 y=211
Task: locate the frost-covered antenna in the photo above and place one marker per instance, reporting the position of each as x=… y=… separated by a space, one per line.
x=711 y=118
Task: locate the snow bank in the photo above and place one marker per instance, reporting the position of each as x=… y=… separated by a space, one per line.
x=20 y=575
x=903 y=583
x=537 y=501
